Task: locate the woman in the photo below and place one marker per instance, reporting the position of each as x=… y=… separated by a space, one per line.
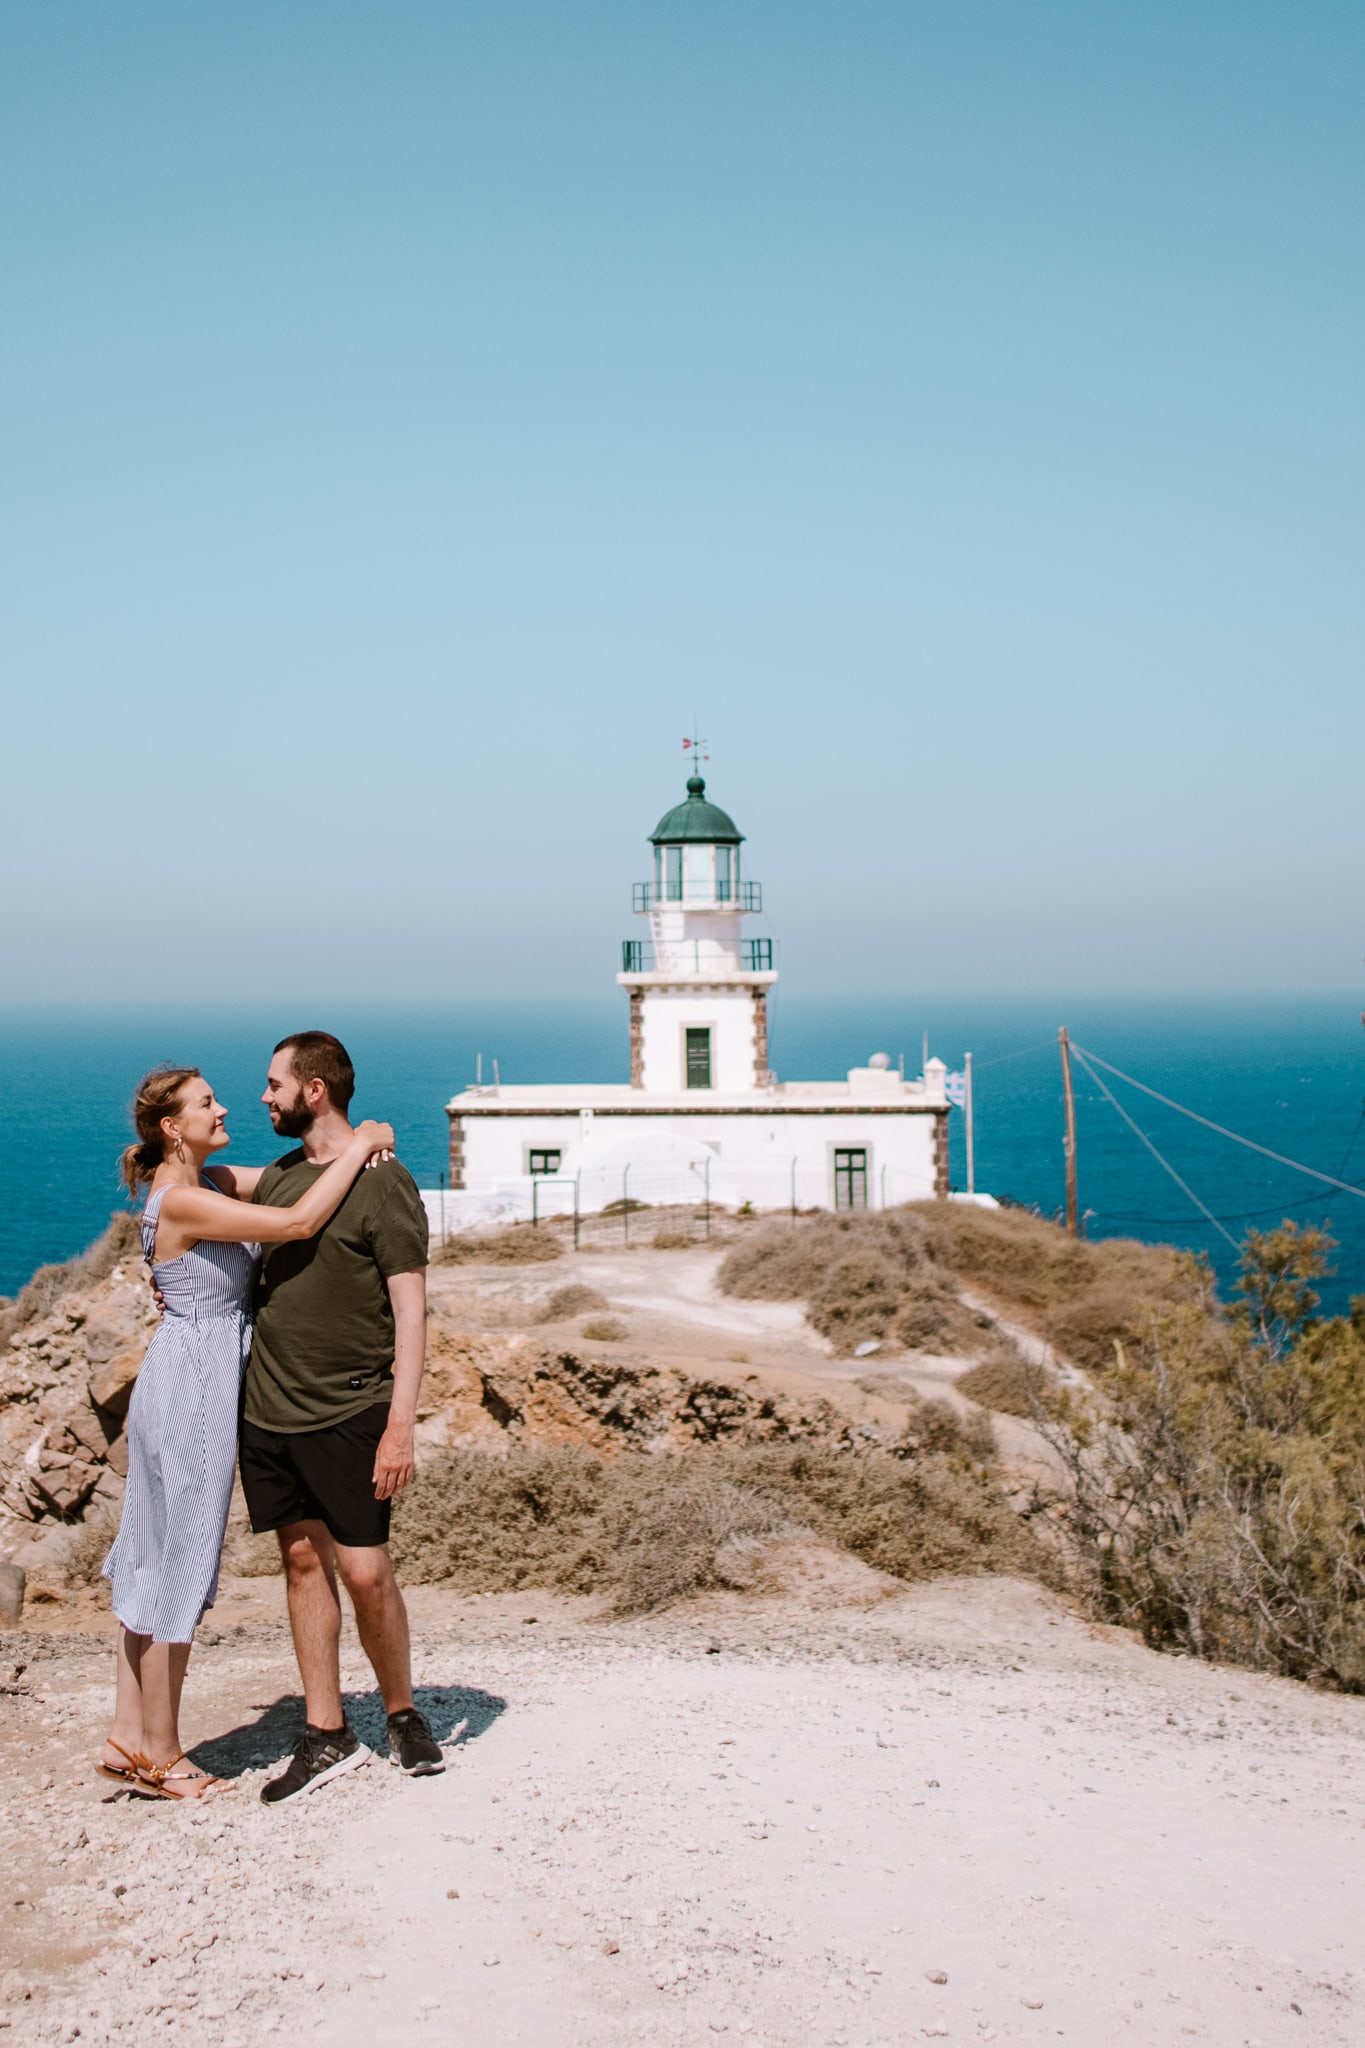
x=201 y=1236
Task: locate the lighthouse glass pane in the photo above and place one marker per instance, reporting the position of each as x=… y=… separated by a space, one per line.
x=699 y=1056
x=722 y=874
x=850 y=1177
x=673 y=861
x=697 y=868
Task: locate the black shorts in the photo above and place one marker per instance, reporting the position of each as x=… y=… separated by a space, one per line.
x=320 y=1475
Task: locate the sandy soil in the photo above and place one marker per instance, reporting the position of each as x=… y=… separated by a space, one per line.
x=846 y=1812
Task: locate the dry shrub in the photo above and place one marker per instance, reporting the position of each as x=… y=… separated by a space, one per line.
x=927 y=1318
x=857 y=1299
x=898 y=1273
x=692 y=1531
x=520 y=1244
x=793 y=1261
x=488 y=1523
x=1078 y=1295
x=573 y=1300
x=916 y=1520
x=645 y=1529
x=672 y=1240
x=120 y=1241
x=605 y=1330
x=1005 y=1382
x=1216 y=1495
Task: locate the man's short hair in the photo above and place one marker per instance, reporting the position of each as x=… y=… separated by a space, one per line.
x=317 y=1056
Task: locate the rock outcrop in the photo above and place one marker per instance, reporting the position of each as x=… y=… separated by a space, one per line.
x=65 y=1381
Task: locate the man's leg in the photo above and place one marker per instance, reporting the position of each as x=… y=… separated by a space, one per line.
x=315 y=1618
x=380 y=1617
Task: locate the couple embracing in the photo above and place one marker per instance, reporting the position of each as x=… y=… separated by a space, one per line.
x=325 y=1252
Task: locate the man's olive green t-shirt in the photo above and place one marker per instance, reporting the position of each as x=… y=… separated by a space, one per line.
x=323 y=1344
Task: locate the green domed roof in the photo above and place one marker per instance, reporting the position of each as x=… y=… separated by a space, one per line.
x=696 y=819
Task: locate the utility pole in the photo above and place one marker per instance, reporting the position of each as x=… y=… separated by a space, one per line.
x=1069 y=1141
x=971 y=1139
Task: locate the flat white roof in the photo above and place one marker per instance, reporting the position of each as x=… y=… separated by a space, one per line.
x=561 y=1099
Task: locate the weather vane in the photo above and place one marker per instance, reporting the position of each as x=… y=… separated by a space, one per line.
x=695 y=747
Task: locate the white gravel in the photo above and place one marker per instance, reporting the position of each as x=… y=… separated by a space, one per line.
x=953 y=1813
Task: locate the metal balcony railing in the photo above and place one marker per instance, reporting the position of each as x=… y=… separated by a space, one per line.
x=700 y=895
x=696 y=956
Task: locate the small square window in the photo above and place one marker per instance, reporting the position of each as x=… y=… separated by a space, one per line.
x=544 y=1161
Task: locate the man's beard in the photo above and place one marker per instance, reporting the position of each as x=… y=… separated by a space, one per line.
x=295 y=1122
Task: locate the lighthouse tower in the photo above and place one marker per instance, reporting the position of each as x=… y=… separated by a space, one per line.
x=698 y=987
x=702 y=1118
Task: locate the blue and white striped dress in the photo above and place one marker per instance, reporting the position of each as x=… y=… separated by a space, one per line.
x=182 y=1439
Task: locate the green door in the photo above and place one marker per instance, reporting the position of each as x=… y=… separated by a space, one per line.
x=699 y=1056
x=850 y=1177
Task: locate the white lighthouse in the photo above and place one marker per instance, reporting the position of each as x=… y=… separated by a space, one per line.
x=698 y=987
x=703 y=1115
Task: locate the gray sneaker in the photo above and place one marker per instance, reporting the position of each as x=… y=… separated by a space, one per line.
x=320 y=1754
x=412 y=1746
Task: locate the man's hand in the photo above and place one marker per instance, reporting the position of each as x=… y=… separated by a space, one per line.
x=394 y=1463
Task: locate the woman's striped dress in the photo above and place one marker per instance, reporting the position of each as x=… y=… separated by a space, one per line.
x=182 y=1439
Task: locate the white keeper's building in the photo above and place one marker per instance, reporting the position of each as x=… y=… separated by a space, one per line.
x=703 y=1116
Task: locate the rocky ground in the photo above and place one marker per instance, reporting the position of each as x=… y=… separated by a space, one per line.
x=843 y=1812
x=831 y=1810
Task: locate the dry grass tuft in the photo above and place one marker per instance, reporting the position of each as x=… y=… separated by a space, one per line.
x=86 y=1548
x=673 y=1240
x=573 y=1300
x=605 y=1330
x=521 y=1244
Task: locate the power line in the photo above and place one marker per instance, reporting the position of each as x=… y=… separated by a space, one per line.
x=1048 y=1045
x=1138 y=1132
x=1346 y=1186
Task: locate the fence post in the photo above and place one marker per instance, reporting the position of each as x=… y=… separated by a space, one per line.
x=443 y=1210
x=535 y=1210
x=793 y=1187
x=577 y=1177
x=625 y=1205
x=708 y=1198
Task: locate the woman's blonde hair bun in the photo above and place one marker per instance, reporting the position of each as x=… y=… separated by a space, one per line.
x=158 y=1095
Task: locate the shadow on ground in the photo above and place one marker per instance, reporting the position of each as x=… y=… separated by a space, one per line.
x=255 y=1745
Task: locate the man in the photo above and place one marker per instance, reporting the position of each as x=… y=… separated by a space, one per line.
x=330 y=1401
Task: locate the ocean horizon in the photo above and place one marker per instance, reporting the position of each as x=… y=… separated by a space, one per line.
x=1287 y=1072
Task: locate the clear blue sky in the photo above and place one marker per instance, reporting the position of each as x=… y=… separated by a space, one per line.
x=411 y=413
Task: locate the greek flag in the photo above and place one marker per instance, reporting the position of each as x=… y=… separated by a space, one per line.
x=955 y=1087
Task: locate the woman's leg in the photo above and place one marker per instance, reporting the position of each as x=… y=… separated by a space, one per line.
x=163 y=1681
x=128 y=1730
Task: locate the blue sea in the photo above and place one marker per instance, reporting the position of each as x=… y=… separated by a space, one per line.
x=1287 y=1073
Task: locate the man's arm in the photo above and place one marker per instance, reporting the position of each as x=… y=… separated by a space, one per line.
x=394 y=1462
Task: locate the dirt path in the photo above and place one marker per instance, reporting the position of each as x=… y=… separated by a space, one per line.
x=777 y=1819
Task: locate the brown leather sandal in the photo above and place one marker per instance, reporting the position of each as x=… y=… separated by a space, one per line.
x=136 y=1762
x=159 y=1780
